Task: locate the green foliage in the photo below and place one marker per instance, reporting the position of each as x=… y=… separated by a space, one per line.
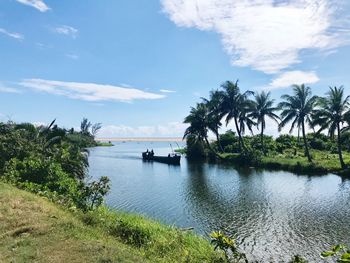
x=195 y=148
x=228 y=246
x=229 y=141
x=93 y=193
x=339 y=251
x=46 y=160
x=250 y=156
x=130 y=233
x=298 y=259
x=330 y=113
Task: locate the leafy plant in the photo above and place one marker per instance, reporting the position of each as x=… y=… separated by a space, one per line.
x=340 y=251
x=228 y=246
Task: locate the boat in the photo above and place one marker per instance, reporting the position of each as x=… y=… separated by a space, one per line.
x=170 y=159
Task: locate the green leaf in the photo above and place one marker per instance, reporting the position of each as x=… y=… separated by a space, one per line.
x=337 y=248
x=327 y=253
x=346 y=256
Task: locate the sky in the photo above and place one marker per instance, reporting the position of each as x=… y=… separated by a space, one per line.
x=137 y=66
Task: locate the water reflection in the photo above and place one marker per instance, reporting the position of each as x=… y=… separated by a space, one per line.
x=273 y=213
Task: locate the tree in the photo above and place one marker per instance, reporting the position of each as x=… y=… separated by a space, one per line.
x=85 y=126
x=234 y=106
x=331 y=115
x=198 y=120
x=262 y=108
x=214 y=113
x=298 y=109
x=95 y=128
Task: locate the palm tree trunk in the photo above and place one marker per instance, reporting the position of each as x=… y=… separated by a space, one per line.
x=342 y=164
x=219 y=141
x=210 y=148
x=241 y=144
x=305 y=142
x=262 y=137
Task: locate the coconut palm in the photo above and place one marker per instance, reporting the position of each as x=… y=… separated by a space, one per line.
x=235 y=105
x=262 y=107
x=298 y=109
x=198 y=120
x=331 y=114
x=215 y=114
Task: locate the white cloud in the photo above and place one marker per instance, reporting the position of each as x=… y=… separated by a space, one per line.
x=167 y=91
x=12 y=34
x=266 y=35
x=172 y=129
x=8 y=90
x=38 y=4
x=38 y=123
x=67 y=30
x=88 y=91
x=289 y=78
x=72 y=56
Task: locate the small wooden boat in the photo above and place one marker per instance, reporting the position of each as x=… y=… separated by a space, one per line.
x=170 y=159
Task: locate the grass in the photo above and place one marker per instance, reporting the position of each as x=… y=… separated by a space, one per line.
x=104 y=144
x=323 y=162
x=180 y=150
x=33 y=229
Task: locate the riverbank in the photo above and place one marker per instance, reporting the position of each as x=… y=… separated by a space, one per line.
x=140 y=139
x=34 y=229
x=104 y=144
x=323 y=163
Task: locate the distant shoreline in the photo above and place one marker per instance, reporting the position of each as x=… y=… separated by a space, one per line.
x=141 y=139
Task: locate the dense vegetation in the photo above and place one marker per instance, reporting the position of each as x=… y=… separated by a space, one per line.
x=326 y=149
x=51 y=161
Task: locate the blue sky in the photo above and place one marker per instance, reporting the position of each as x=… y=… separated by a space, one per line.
x=138 y=65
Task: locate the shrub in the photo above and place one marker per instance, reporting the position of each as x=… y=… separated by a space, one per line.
x=131 y=233
x=195 y=148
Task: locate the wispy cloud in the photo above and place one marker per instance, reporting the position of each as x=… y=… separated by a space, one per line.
x=89 y=91
x=72 y=56
x=67 y=30
x=37 y=4
x=4 y=89
x=14 y=35
x=171 y=129
x=167 y=91
x=266 y=35
x=289 y=78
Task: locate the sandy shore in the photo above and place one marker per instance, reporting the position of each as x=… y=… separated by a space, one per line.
x=142 y=139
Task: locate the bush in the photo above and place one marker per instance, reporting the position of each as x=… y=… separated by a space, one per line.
x=47 y=161
x=250 y=156
x=229 y=141
x=130 y=233
x=195 y=148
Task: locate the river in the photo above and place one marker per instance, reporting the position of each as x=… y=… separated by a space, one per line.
x=274 y=214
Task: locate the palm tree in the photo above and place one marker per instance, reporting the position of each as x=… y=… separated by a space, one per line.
x=234 y=104
x=215 y=114
x=298 y=109
x=331 y=114
x=198 y=120
x=262 y=108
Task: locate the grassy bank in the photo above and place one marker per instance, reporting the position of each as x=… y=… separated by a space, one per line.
x=33 y=229
x=104 y=144
x=323 y=162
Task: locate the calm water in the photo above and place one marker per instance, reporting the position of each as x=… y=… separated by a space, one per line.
x=272 y=213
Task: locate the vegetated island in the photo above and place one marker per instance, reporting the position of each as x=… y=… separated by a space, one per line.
x=325 y=150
